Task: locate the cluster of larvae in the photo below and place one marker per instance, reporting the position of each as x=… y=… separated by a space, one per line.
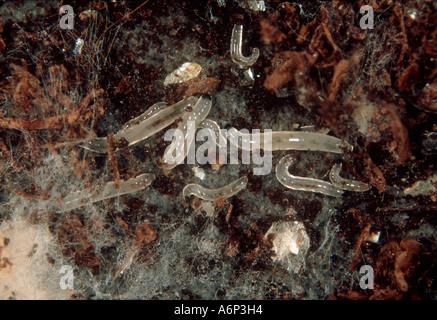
x=195 y=110
x=160 y=115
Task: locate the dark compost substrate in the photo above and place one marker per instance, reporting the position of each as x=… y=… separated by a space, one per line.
x=317 y=71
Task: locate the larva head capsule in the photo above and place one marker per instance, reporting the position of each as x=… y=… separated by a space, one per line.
x=145 y=179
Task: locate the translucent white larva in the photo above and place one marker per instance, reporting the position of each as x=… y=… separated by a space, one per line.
x=195 y=115
x=303 y=183
x=236 y=49
x=346 y=184
x=145 y=115
x=212 y=125
x=106 y=191
x=211 y=194
x=150 y=122
x=290 y=140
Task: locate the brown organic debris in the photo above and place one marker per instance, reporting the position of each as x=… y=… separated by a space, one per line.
x=408 y=77
x=323 y=44
x=145 y=235
x=113 y=165
x=269 y=33
x=2 y=44
x=74 y=241
x=405 y=262
x=38 y=216
x=290 y=66
x=428 y=97
x=196 y=85
x=361 y=239
x=54 y=122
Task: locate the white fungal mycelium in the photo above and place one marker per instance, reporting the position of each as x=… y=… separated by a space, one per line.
x=126 y=263
x=211 y=194
x=346 y=184
x=303 y=183
x=106 y=191
x=236 y=49
x=150 y=122
x=290 y=243
x=288 y=140
x=185 y=72
x=194 y=116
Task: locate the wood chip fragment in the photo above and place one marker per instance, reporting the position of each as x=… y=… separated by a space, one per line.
x=74 y=241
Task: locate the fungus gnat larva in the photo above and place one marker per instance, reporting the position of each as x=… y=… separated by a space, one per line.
x=211 y=194
x=346 y=184
x=290 y=140
x=150 y=122
x=106 y=191
x=218 y=133
x=303 y=183
x=236 y=49
x=198 y=113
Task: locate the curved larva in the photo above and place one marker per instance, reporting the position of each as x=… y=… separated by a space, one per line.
x=236 y=49
x=198 y=113
x=211 y=194
x=212 y=125
x=303 y=183
x=154 y=120
x=185 y=72
x=290 y=140
x=346 y=184
x=106 y=191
